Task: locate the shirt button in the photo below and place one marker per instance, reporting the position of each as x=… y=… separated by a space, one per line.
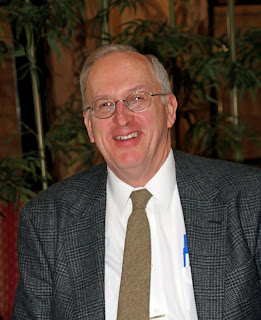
x=156 y=311
x=154 y=267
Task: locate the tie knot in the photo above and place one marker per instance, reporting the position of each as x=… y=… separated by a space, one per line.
x=140 y=198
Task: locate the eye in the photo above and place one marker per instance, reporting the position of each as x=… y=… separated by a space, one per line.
x=104 y=105
x=136 y=98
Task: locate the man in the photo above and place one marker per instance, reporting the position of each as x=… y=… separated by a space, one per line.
x=73 y=237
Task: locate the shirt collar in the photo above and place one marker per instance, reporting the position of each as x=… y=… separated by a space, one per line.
x=161 y=185
x=118 y=191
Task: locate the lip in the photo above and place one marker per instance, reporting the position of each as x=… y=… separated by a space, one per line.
x=127 y=137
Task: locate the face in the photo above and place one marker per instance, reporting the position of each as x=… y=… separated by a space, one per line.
x=134 y=145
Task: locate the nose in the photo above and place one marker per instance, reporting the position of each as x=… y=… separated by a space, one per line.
x=122 y=115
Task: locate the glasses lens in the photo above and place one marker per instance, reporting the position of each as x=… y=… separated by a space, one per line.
x=139 y=101
x=103 y=108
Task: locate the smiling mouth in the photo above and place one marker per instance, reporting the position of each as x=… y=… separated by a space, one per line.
x=129 y=136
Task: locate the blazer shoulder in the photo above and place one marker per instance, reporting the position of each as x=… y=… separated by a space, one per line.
x=73 y=192
x=217 y=176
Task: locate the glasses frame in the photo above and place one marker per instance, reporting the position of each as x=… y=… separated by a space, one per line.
x=125 y=102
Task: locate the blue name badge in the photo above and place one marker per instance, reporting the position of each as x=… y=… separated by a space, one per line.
x=185 y=252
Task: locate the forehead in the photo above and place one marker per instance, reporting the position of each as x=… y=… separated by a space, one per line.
x=120 y=71
x=120 y=61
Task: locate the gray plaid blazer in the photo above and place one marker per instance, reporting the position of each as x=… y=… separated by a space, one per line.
x=61 y=243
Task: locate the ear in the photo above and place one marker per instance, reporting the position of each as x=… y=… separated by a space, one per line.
x=171 y=106
x=88 y=125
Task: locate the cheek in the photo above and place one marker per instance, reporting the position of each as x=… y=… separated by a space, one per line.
x=161 y=121
x=100 y=134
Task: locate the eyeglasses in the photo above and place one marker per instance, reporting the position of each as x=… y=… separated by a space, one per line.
x=136 y=102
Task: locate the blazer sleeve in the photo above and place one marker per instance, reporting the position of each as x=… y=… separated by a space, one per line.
x=34 y=291
x=258 y=239
x=249 y=222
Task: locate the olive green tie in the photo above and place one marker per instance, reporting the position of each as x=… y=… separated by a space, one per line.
x=134 y=296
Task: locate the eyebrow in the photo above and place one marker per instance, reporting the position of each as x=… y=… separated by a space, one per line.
x=138 y=88
x=131 y=90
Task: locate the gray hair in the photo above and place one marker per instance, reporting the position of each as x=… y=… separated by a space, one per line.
x=159 y=70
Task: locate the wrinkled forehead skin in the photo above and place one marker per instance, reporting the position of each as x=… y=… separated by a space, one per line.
x=123 y=67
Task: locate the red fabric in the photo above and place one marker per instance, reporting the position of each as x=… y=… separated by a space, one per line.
x=8 y=260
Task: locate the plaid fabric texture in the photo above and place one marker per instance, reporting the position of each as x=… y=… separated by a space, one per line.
x=61 y=243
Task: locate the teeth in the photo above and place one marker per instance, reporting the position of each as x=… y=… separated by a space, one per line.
x=131 y=135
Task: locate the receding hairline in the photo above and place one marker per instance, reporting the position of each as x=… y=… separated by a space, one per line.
x=155 y=67
x=141 y=57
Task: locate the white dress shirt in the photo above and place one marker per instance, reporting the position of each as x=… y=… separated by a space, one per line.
x=172 y=295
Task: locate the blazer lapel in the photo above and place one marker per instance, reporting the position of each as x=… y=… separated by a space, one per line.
x=84 y=241
x=205 y=220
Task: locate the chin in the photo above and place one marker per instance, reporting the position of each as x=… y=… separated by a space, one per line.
x=127 y=163
x=130 y=160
